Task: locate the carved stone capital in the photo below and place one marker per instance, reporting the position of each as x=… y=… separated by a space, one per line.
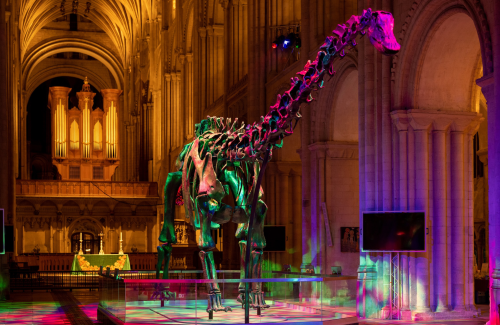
x=400 y=120
x=336 y=149
x=487 y=84
x=483 y=155
x=420 y=120
x=202 y=31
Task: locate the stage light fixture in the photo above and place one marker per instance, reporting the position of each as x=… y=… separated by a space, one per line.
x=278 y=41
x=289 y=40
x=298 y=42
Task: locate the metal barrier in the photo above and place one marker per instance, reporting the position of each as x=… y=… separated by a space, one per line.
x=22 y=280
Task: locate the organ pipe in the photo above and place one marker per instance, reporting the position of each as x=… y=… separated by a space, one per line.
x=86 y=131
x=60 y=127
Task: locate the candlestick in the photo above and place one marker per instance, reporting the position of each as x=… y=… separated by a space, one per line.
x=101 y=252
x=121 y=248
x=80 y=252
x=121 y=235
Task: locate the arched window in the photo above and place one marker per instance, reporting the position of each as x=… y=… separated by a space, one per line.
x=89 y=244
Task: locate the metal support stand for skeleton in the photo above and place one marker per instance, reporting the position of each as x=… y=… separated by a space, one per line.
x=255 y=198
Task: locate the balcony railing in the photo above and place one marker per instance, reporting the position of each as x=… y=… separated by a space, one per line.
x=86 y=188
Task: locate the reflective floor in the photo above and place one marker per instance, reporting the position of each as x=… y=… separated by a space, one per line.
x=80 y=308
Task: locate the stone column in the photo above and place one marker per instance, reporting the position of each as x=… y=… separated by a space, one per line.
x=51 y=232
x=421 y=125
x=491 y=92
x=189 y=97
x=440 y=212
x=459 y=162
x=305 y=156
x=283 y=215
x=296 y=219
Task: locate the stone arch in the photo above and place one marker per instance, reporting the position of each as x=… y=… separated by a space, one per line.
x=66 y=71
x=85 y=224
x=335 y=92
x=425 y=21
x=446 y=71
x=54 y=46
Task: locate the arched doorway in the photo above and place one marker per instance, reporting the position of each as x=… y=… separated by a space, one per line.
x=90 y=245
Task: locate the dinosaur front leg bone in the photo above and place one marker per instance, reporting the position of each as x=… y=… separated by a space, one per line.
x=162 y=291
x=206 y=207
x=167 y=235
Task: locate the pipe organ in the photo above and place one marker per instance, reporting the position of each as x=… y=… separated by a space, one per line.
x=85 y=139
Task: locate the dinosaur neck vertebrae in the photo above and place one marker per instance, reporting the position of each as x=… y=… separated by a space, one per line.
x=226 y=141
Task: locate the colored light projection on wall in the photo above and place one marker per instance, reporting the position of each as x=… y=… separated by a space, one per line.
x=60 y=126
x=111 y=136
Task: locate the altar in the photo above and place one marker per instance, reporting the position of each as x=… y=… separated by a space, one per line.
x=92 y=262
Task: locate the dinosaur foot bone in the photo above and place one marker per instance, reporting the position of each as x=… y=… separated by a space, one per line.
x=162 y=293
x=257 y=300
x=215 y=302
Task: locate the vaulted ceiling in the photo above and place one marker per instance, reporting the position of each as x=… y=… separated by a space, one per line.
x=115 y=17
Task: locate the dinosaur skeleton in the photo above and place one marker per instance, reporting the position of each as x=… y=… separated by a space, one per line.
x=225 y=157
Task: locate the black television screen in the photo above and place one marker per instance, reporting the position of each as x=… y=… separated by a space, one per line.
x=393 y=232
x=275 y=238
x=9 y=239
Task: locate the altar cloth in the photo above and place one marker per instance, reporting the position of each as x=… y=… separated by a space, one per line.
x=92 y=262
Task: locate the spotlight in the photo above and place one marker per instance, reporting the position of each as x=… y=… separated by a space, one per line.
x=298 y=42
x=289 y=40
x=278 y=41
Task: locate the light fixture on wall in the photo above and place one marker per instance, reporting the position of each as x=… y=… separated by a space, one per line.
x=278 y=41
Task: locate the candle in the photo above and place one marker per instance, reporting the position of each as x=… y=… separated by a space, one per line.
x=120 y=235
x=80 y=236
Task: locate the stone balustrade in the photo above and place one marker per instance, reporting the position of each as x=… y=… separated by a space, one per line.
x=86 y=188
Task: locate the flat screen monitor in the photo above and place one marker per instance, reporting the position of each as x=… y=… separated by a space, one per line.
x=275 y=238
x=9 y=239
x=393 y=231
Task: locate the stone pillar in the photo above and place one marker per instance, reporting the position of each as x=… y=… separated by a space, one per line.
x=440 y=214
x=491 y=91
x=441 y=176
x=51 y=233
x=6 y=175
x=305 y=130
x=283 y=215
x=458 y=225
x=421 y=127
x=296 y=219
x=189 y=97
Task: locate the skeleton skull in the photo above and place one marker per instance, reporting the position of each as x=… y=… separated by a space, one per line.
x=381 y=33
